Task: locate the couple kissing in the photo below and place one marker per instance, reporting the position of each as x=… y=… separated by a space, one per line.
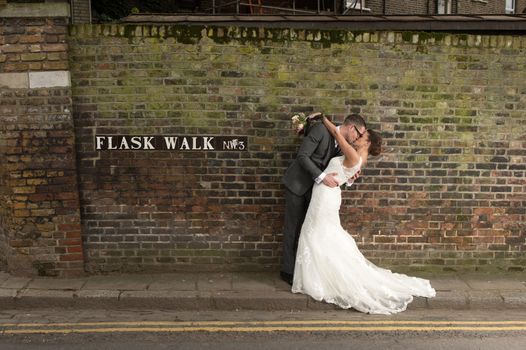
x=320 y=258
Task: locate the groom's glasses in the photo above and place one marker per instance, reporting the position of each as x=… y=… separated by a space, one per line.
x=360 y=134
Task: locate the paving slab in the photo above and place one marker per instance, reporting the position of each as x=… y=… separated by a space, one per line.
x=513 y=298
x=214 y=282
x=100 y=299
x=15 y=282
x=36 y=298
x=123 y=282
x=281 y=285
x=418 y=303
x=174 y=282
x=7 y=298
x=235 y=291
x=313 y=304
x=3 y=276
x=235 y=300
x=172 y=300
x=449 y=299
x=513 y=276
x=54 y=284
x=8 y=293
x=482 y=299
x=37 y=293
x=254 y=282
x=494 y=284
x=449 y=284
x=98 y=294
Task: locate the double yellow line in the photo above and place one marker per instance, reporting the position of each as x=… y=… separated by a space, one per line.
x=262 y=326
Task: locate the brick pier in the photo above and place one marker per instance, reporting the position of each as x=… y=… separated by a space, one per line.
x=39 y=201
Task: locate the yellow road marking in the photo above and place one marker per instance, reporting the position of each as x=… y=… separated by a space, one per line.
x=234 y=323
x=258 y=329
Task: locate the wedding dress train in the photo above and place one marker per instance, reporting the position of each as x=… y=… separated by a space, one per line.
x=330 y=267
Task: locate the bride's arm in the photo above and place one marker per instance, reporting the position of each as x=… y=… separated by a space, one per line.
x=349 y=152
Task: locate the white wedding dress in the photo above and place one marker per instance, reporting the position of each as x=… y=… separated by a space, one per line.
x=330 y=267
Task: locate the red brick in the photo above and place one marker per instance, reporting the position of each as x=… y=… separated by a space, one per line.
x=19 y=243
x=76 y=249
x=69 y=242
x=73 y=234
x=71 y=257
x=31 y=39
x=68 y=227
x=14 y=48
x=54 y=47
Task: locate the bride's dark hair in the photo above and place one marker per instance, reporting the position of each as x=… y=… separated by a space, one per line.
x=375 y=146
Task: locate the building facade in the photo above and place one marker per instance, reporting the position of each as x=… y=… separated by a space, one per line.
x=432 y=7
x=374 y=7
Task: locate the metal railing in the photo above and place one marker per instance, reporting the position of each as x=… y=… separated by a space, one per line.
x=260 y=7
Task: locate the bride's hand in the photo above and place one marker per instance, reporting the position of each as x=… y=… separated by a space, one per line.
x=313 y=115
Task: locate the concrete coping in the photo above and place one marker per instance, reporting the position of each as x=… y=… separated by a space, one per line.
x=47 y=9
x=35 y=80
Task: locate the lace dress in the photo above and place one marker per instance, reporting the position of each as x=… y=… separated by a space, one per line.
x=330 y=267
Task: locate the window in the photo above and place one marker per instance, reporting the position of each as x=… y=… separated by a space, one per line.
x=355 y=4
x=444 y=7
x=510 y=6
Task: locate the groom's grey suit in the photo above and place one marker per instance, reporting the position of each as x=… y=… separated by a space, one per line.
x=316 y=150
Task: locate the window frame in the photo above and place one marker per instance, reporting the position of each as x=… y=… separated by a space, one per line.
x=510 y=10
x=447 y=7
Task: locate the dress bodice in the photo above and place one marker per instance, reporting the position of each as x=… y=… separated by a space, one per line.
x=344 y=173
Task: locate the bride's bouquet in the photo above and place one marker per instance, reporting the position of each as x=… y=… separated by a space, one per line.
x=299 y=121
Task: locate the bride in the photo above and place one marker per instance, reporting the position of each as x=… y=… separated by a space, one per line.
x=329 y=265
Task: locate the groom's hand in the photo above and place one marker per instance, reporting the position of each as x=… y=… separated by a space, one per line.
x=355 y=176
x=330 y=180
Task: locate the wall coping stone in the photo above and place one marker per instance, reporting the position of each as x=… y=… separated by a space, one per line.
x=14 y=80
x=457 y=23
x=58 y=78
x=48 y=9
x=320 y=38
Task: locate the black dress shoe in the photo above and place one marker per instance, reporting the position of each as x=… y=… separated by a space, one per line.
x=287 y=277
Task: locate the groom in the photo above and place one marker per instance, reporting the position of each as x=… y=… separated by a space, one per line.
x=316 y=150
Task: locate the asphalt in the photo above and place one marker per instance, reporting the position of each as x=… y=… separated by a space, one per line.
x=238 y=291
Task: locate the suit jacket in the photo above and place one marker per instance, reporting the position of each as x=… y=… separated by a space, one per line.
x=316 y=150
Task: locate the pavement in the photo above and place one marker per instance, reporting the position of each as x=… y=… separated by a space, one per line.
x=238 y=291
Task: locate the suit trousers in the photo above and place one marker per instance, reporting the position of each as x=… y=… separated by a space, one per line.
x=295 y=211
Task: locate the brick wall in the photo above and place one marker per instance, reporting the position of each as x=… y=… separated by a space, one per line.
x=395 y=7
x=448 y=193
x=398 y=7
x=406 y=7
x=39 y=207
x=490 y=6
